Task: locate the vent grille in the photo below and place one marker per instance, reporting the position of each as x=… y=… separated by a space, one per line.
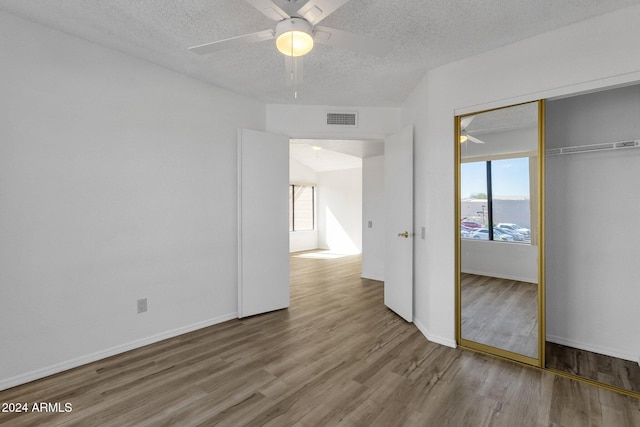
x=593 y=147
x=342 y=119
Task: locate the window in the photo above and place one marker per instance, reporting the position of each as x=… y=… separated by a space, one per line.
x=496 y=192
x=301 y=207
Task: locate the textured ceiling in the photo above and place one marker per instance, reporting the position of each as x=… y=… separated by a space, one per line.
x=504 y=119
x=334 y=154
x=425 y=34
x=322 y=160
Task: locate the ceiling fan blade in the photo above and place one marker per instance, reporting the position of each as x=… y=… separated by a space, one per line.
x=316 y=10
x=345 y=39
x=294 y=68
x=466 y=121
x=474 y=139
x=260 y=36
x=269 y=9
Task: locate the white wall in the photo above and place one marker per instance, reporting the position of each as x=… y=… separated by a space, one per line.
x=302 y=240
x=117 y=183
x=340 y=210
x=580 y=57
x=511 y=261
x=309 y=121
x=299 y=173
x=591 y=211
x=373 y=210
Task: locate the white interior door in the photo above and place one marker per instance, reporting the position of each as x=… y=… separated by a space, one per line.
x=263 y=228
x=398 y=193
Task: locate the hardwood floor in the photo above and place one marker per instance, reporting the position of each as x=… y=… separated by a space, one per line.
x=500 y=312
x=598 y=367
x=336 y=357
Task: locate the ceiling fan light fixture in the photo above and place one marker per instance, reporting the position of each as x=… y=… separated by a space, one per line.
x=294 y=37
x=463 y=138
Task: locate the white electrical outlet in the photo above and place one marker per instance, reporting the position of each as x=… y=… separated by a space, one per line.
x=142 y=305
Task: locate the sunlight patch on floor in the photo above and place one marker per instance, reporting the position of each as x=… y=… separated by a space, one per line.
x=321 y=255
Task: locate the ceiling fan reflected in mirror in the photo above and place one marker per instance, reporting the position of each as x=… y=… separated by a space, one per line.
x=464 y=134
x=296 y=35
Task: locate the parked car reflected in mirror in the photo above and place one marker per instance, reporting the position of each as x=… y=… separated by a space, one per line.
x=506 y=232
x=505 y=226
x=483 y=234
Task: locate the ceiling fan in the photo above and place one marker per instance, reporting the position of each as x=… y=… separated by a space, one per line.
x=296 y=35
x=464 y=134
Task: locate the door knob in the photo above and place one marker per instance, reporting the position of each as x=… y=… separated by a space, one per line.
x=405 y=234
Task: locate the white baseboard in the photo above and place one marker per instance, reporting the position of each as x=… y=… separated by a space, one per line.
x=372 y=277
x=434 y=338
x=593 y=348
x=501 y=276
x=74 y=363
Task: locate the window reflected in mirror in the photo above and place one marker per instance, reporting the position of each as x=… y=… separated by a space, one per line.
x=496 y=192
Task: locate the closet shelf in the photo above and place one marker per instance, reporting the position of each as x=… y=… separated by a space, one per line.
x=593 y=147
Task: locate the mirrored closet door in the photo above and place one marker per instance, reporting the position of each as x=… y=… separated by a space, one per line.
x=592 y=246
x=499 y=182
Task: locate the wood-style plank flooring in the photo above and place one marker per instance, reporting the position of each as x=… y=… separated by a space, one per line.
x=336 y=357
x=500 y=312
x=598 y=367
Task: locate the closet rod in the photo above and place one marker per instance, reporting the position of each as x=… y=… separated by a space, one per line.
x=593 y=147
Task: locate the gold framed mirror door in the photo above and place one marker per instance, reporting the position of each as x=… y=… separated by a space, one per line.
x=499 y=182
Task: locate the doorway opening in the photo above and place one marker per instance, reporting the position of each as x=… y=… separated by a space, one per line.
x=348 y=187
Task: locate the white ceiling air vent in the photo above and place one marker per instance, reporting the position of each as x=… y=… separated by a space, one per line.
x=342 y=119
